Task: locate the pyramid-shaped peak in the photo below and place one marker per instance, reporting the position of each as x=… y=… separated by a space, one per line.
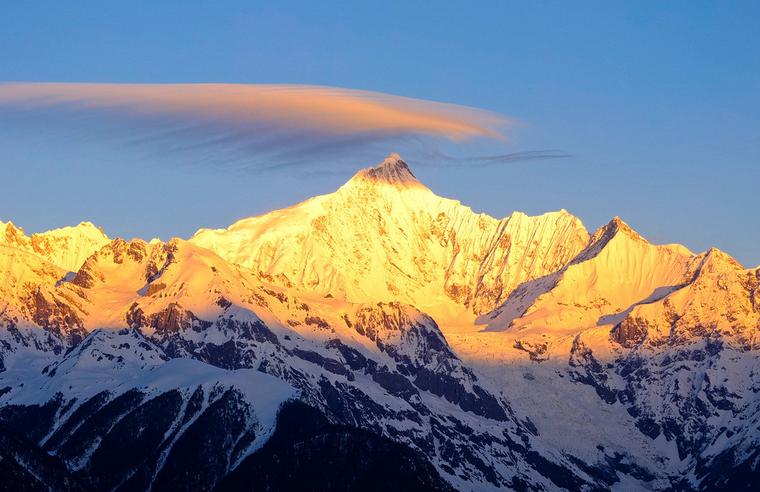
x=392 y=170
x=615 y=226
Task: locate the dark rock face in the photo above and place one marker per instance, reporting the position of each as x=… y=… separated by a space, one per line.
x=381 y=323
x=55 y=316
x=395 y=384
x=630 y=332
x=310 y=454
x=418 y=346
x=535 y=351
x=332 y=365
x=171 y=320
x=86 y=277
x=244 y=339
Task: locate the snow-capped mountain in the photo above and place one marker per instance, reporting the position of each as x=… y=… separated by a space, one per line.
x=383 y=236
x=377 y=337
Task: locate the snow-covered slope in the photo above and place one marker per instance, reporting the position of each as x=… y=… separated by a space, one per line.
x=65 y=248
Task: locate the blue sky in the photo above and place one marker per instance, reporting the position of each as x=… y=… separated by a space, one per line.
x=657 y=105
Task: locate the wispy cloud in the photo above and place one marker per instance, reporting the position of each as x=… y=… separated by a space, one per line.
x=492 y=160
x=246 y=127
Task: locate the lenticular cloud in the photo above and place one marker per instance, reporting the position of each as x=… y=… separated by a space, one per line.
x=272 y=123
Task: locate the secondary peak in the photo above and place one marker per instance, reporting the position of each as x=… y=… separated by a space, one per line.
x=617 y=225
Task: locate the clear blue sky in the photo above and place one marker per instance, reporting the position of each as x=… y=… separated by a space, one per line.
x=658 y=104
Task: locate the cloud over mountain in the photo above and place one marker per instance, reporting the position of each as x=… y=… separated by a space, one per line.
x=238 y=125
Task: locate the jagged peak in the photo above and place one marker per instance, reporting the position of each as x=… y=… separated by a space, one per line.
x=84 y=228
x=555 y=215
x=614 y=227
x=393 y=170
x=617 y=225
x=8 y=224
x=11 y=232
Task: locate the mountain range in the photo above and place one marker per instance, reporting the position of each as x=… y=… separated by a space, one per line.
x=377 y=337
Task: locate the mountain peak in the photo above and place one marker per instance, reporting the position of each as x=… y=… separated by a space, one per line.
x=392 y=170
x=617 y=225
